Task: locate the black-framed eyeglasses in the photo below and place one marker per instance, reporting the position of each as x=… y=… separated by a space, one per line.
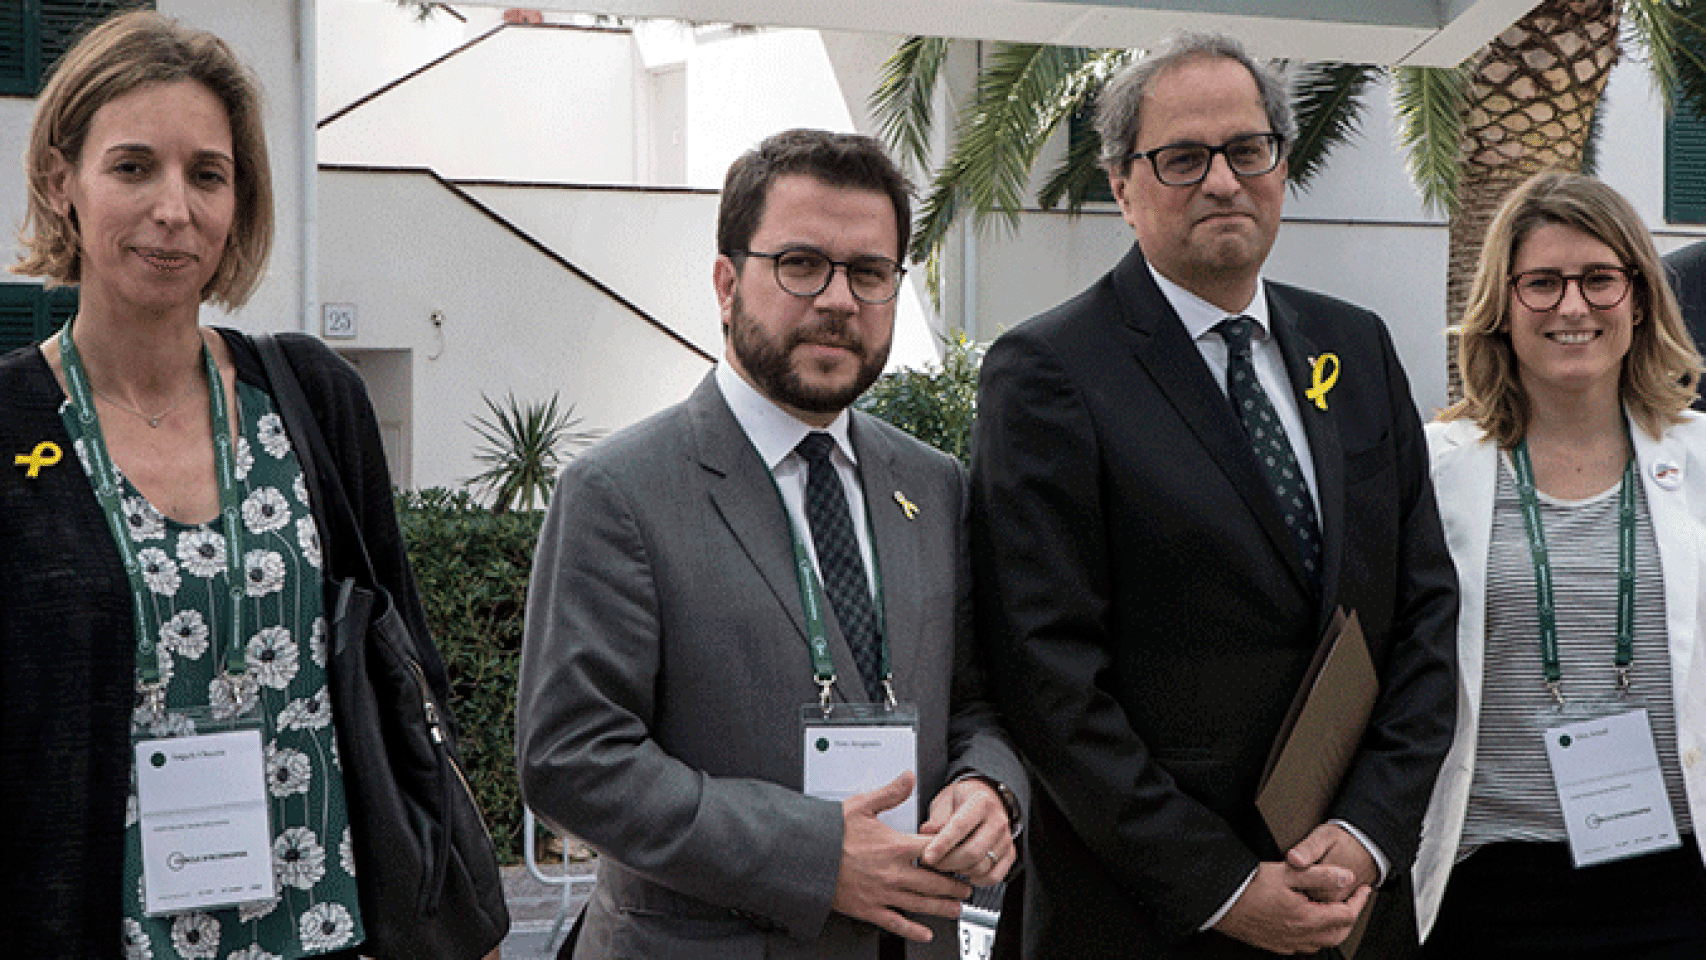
x=805 y=272
x=1186 y=164
x=1602 y=288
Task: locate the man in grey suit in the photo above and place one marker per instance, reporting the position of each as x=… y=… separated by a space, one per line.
x=709 y=580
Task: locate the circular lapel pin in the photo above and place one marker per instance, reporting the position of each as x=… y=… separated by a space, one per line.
x=1667 y=474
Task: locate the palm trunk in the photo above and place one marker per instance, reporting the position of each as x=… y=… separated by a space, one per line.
x=1531 y=97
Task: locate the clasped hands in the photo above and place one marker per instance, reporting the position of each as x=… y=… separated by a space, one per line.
x=1310 y=900
x=967 y=840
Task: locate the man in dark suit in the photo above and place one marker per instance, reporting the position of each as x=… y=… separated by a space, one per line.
x=1686 y=270
x=751 y=555
x=1155 y=568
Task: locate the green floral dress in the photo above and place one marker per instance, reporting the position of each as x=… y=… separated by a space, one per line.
x=185 y=569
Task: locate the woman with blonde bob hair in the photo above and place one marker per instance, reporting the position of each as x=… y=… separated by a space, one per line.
x=125 y=53
x=1572 y=487
x=163 y=612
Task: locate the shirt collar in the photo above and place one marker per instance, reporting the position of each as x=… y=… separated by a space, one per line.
x=774 y=432
x=1199 y=316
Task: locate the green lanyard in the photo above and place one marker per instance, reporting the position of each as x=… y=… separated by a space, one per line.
x=109 y=487
x=1544 y=603
x=812 y=599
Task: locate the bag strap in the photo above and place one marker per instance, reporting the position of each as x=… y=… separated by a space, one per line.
x=331 y=508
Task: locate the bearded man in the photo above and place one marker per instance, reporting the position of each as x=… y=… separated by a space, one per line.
x=747 y=662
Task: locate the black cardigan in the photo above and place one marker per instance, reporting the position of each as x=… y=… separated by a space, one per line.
x=67 y=652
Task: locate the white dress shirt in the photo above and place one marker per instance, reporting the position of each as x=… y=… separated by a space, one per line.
x=1200 y=318
x=775 y=433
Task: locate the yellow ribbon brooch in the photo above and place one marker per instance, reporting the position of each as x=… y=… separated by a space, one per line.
x=46 y=454
x=1322 y=378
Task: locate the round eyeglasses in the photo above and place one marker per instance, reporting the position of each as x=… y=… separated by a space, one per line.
x=1187 y=164
x=805 y=272
x=1601 y=287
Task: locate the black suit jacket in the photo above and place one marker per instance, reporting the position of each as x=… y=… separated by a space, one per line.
x=1148 y=620
x=1686 y=270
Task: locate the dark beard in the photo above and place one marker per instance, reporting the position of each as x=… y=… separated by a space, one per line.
x=771 y=367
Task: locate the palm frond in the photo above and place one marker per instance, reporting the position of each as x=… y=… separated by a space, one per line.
x=1024 y=92
x=1080 y=171
x=1672 y=35
x=1077 y=174
x=1431 y=102
x=902 y=102
x=1328 y=99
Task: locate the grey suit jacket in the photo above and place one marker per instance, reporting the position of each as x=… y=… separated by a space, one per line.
x=665 y=663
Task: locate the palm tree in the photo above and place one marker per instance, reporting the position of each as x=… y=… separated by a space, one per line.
x=1524 y=102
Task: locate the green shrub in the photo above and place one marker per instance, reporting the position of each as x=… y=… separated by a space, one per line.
x=472 y=566
x=938 y=404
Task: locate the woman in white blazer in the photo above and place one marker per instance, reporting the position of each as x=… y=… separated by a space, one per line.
x=1571 y=460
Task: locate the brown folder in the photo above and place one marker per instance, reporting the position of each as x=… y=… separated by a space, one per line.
x=1318 y=740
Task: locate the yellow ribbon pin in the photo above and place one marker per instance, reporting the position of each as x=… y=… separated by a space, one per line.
x=907 y=506
x=46 y=454
x=1319 y=383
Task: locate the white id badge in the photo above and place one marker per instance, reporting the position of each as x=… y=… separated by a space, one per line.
x=858 y=748
x=205 y=820
x=1606 y=771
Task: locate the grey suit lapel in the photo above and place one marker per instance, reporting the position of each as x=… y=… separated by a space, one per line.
x=894 y=544
x=1325 y=448
x=745 y=496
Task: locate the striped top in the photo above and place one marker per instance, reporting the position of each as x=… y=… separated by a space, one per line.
x=1512 y=796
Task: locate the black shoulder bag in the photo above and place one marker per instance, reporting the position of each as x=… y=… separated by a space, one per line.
x=426 y=869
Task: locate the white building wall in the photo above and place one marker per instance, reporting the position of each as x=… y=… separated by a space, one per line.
x=513 y=320
x=366 y=44
x=745 y=88
x=548 y=103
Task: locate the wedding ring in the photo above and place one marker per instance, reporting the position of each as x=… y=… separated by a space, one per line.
x=993 y=859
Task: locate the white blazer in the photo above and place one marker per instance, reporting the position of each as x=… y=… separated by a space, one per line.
x=1465 y=464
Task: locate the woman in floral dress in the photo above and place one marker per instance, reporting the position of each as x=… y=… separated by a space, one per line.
x=162 y=576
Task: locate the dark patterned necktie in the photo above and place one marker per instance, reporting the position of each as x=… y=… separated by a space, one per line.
x=838 y=561
x=1269 y=441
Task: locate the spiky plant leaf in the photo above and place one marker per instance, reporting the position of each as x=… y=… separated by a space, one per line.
x=521 y=450
x=1430 y=112
x=1328 y=99
x=902 y=102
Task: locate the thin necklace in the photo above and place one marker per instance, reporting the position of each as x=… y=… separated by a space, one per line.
x=153 y=419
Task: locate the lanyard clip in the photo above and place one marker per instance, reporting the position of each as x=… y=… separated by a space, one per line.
x=1556 y=689
x=824 y=687
x=888 y=692
x=1622 y=680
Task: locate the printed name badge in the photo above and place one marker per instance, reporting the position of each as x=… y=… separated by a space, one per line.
x=858 y=747
x=206 y=836
x=1606 y=771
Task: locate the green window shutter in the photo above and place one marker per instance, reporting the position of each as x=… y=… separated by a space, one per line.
x=18 y=303
x=1685 y=168
x=1080 y=129
x=28 y=313
x=18 y=48
x=34 y=34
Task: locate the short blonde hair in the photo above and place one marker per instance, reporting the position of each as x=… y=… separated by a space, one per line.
x=126 y=52
x=1662 y=366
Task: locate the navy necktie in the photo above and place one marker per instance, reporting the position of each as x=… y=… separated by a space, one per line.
x=1268 y=440
x=838 y=560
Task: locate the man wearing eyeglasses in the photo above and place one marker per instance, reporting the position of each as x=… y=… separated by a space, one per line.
x=747 y=678
x=1178 y=476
